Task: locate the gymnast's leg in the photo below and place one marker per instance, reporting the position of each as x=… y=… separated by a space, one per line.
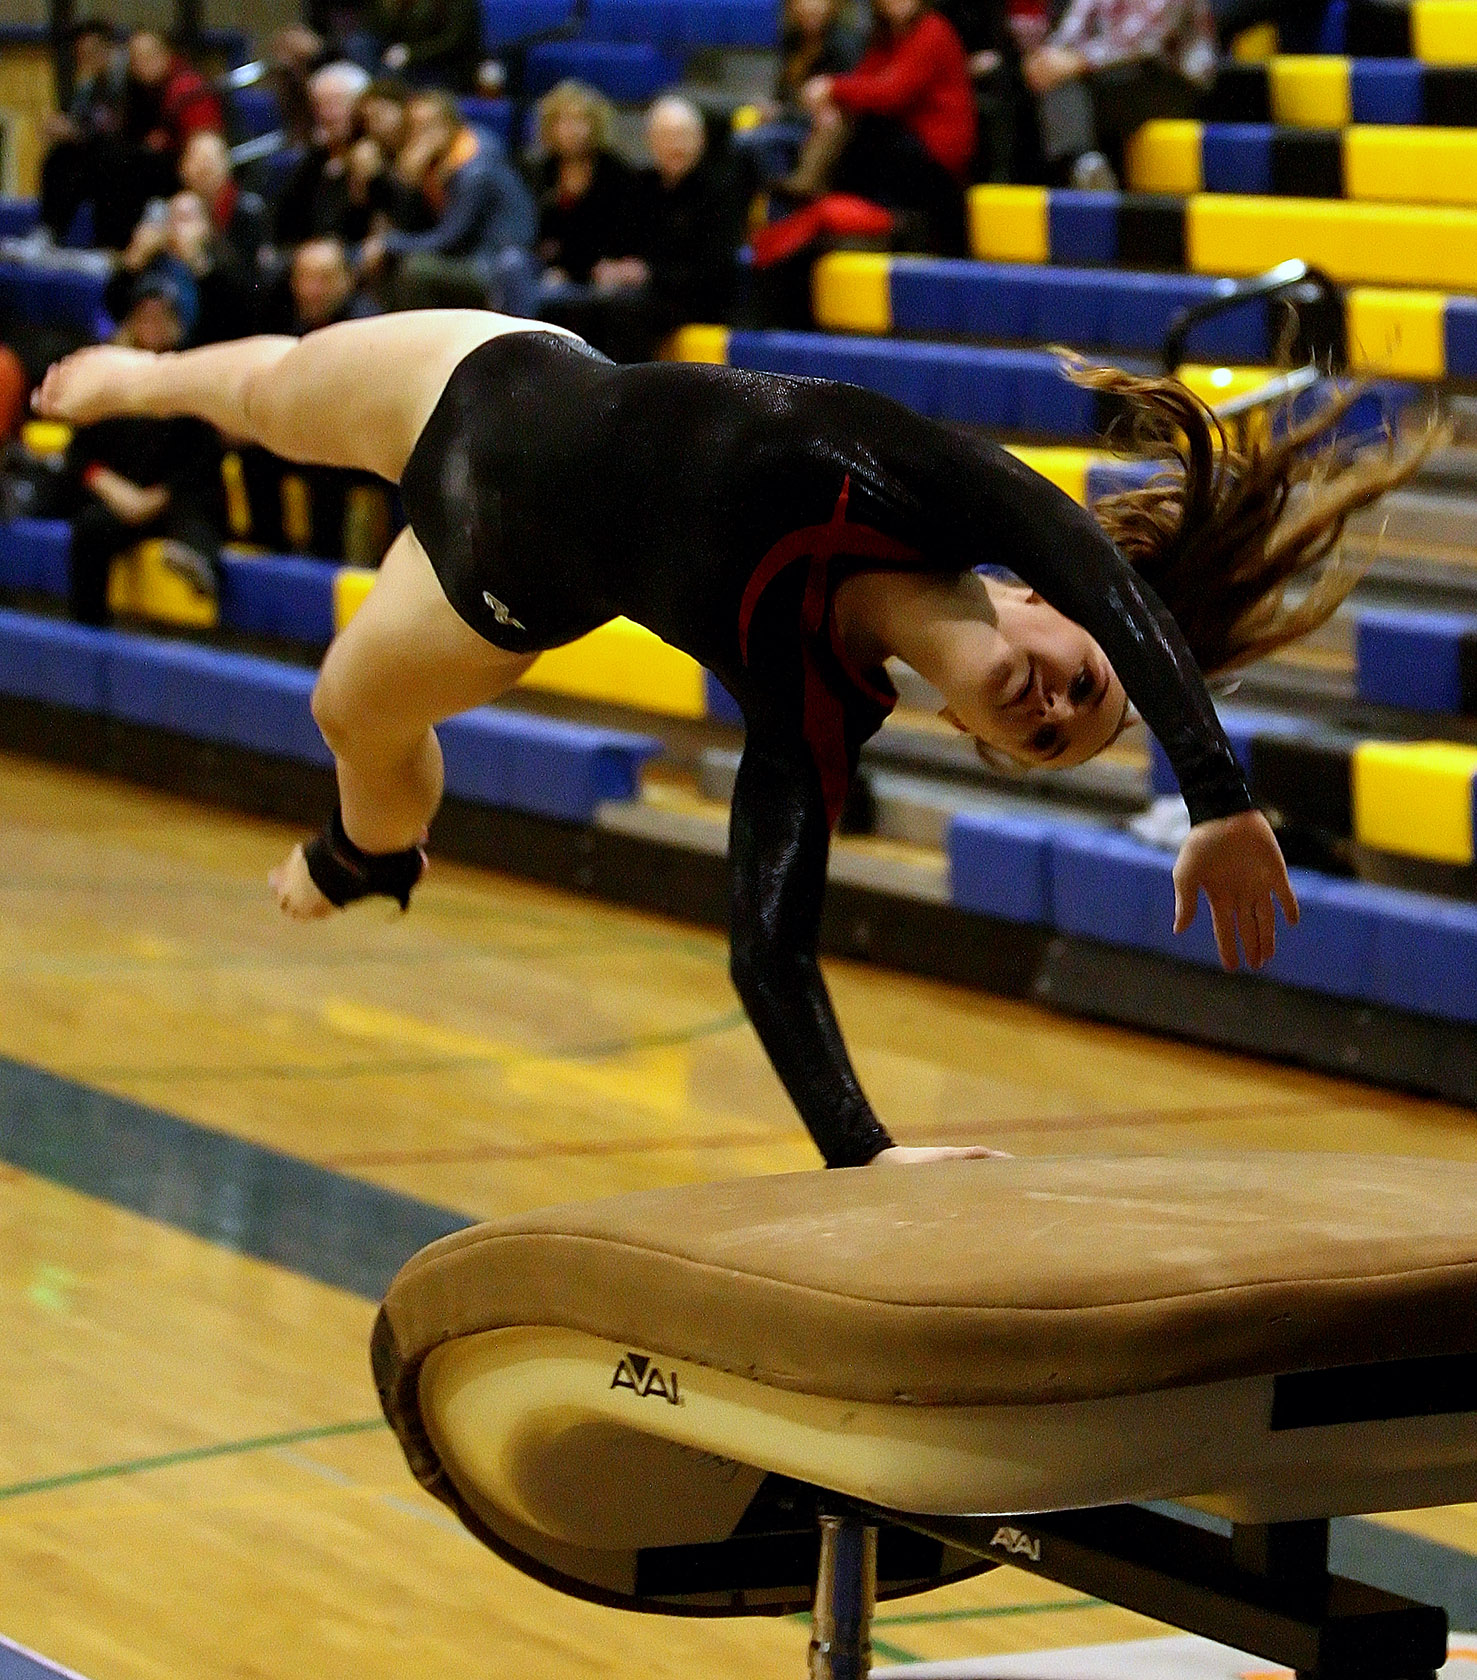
x=405 y=661
x=353 y=395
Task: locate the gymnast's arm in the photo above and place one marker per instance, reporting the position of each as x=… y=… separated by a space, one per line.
x=779 y=841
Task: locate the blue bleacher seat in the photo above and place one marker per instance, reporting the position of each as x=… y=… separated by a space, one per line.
x=685 y=23
x=52 y=296
x=35 y=555
x=494 y=115
x=208 y=695
x=721 y=705
x=252 y=112
x=627 y=72
x=18 y=216
x=1237 y=157
x=1411 y=659
x=1083 y=226
x=278 y=595
x=1000 y=865
x=62 y=664
x=1425 y=954
x=1387 y=91
x=554 y=769
x=1332 y=947
x=508 y=21
x=1109 y=887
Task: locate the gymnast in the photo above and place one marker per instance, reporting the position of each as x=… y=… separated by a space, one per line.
x=791 y=535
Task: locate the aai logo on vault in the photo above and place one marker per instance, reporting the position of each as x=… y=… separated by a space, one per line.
x=640 y=1374
x=1018 y=1543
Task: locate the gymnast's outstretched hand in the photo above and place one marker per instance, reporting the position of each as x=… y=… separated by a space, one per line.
x=897 y=1156
x=90 y=385
x=1238 y=864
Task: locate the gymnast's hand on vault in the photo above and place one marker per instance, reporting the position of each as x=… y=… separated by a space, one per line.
x=1238 y=864
x=898 y=1156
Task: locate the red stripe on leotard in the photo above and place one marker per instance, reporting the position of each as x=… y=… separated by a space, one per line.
x=825 y=714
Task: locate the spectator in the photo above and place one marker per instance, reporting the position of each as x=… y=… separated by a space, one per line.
x=176 y=240
x=901 y=126
x=169 y=101
x=429 y=43
x=85 y=136
x=321 y=289
x=316 y=199
x=292 y=55
x=478 y=251
x=816 y=41
x=238 y=217
x=1109 y=66
x=686 y=231
x=385 y=171
x=1008 y=146
x=584 y=188
x=137 y=478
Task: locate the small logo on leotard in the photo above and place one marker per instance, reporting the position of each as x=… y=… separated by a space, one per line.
x=500 y=611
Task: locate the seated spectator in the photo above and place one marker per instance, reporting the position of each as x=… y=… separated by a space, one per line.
x=137 y=478
x=78 y=163
x=168 y=100
x=1008 y=147
x=584 y=188
x=385 y=167
x=429 y=43
x=176 y=239
x=685 y=234
x=815 y=41
x=478 y=251
x=292 y=55
x=899 y=130
x=238 y=217
x=321 y=289
x=1109 y=66
x=315 y=199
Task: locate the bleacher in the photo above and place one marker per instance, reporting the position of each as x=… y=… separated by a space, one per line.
x=1364 y=744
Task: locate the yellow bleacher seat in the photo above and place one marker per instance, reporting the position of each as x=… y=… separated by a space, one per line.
x=1009 y=224
x=1256 y=45
x=1402 y=333
x=46 y=437
x=1411 y=165
x=1444 y=31
x=350 y=585
x=624 y=664
x=1386 y=244
x=1215 y=385
x=139 y=583
x=697 y=343
x=1310 y=91
x=1164 y=157
x=1415 y=798
x=1065 y=467
x=853 y=290
x=745 y=117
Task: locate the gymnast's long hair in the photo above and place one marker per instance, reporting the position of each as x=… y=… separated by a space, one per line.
x=1230 y=524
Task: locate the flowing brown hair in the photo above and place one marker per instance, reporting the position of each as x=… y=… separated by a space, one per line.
x=1219 y=536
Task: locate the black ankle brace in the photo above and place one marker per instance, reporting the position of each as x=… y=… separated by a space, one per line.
x=344 y=874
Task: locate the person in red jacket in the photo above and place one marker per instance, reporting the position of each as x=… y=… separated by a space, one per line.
x=902 y=122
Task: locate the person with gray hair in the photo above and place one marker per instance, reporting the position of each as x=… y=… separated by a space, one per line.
x=686 y=220
x=317 y=200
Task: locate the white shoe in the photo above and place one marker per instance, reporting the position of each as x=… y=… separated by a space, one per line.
x=1093 y=173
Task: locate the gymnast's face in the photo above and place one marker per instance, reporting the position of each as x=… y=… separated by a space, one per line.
x=1046 y=695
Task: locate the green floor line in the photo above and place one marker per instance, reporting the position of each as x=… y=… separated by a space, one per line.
x=922 y=1618
x=190 y=1455
x=894 y=1653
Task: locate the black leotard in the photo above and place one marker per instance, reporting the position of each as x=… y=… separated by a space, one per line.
x=553 y=490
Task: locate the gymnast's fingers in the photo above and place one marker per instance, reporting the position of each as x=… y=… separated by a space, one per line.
x=1265 y=913
x=1223 y=921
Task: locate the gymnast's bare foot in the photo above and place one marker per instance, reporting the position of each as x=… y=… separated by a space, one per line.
x=900 y=1157
x=90 y=385
x=297 y=895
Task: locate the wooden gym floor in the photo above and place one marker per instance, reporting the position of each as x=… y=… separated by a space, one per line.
x=193 y=1478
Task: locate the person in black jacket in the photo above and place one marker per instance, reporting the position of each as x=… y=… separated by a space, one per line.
x=686 y=221
x=135 y=477
x=177 y=237
x=585 y=189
